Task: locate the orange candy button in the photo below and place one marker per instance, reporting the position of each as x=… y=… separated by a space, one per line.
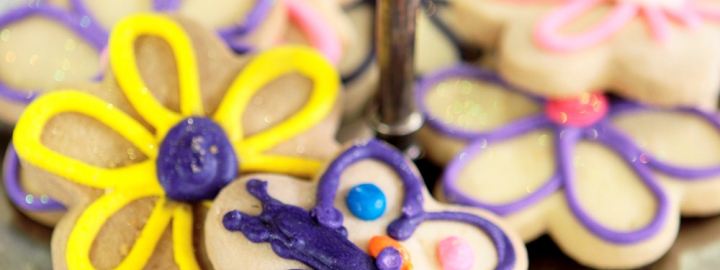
x=378 y=243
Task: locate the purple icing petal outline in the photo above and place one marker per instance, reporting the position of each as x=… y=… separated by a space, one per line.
x=461 y=71
x=682 y=173
x=413 y=213
x=565 y=141
x=14 y=190
x=565 y=144
x=74 y=23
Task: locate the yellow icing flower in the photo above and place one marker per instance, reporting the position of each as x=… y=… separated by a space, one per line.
x=190 y=156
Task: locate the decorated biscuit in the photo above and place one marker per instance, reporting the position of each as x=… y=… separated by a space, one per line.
x=660 y=52
x=369 y=210
x=607 y=179
x=78 y=31
x=175 y=120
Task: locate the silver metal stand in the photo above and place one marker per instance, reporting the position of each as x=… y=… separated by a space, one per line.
x=394 y=116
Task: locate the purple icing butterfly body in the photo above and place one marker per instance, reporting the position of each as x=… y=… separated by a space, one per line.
x=294 y=234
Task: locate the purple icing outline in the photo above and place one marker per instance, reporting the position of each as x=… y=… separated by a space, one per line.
x=413 y=213
x=15 y=192
x=229 y=34
x=70 y=21
x=683 y=173
x=565 y=140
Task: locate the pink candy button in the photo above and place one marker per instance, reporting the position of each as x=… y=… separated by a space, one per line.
x=455 y=254
x=581 y=111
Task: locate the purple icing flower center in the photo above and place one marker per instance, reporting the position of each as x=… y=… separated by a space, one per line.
x=195 y=160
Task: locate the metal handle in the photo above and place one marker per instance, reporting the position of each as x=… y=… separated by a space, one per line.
x=394 y=116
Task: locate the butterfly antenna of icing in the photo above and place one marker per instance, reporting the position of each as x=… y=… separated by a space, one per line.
x=258 y=189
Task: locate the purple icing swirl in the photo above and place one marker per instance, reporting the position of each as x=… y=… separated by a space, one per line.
x=413 y=213
x=566 y=138
x=15 y=192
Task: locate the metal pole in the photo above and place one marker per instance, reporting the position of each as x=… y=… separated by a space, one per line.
x=394 y=117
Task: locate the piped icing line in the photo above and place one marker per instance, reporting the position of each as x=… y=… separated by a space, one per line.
x=684 y=174
x=74 y=23
x=318 y=31
x=173 y=139
x=17 y=195
x=658 y=18
x=602 y=131
x=253 y=19
x=413 y=213
x=231 y=34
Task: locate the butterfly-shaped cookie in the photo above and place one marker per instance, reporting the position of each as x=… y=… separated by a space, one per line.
x=368 y=210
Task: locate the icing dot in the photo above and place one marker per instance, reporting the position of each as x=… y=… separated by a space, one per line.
x=195 y=160
x=389 y=259
x=581 y=111
x=380 y=243
x=455 y=254
x=366 y=201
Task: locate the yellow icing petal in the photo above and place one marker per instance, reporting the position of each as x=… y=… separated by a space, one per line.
x=280 y=164
x=28 y=140
x=183 y=249
x=265 y=68
x=89 y=224
x=124 y=65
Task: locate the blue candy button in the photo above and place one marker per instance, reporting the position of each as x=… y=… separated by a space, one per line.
x=366 y=201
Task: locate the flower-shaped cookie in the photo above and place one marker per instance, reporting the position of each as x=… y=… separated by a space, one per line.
x=607 y=180
x=660 y=52
x=369 y=200
x=133 y=159
x=79 y=29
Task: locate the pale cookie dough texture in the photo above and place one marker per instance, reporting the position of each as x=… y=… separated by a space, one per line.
x=247 y=228
x=175 y=107
x=658 y=52
x=608 y=180
x=57 y=43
